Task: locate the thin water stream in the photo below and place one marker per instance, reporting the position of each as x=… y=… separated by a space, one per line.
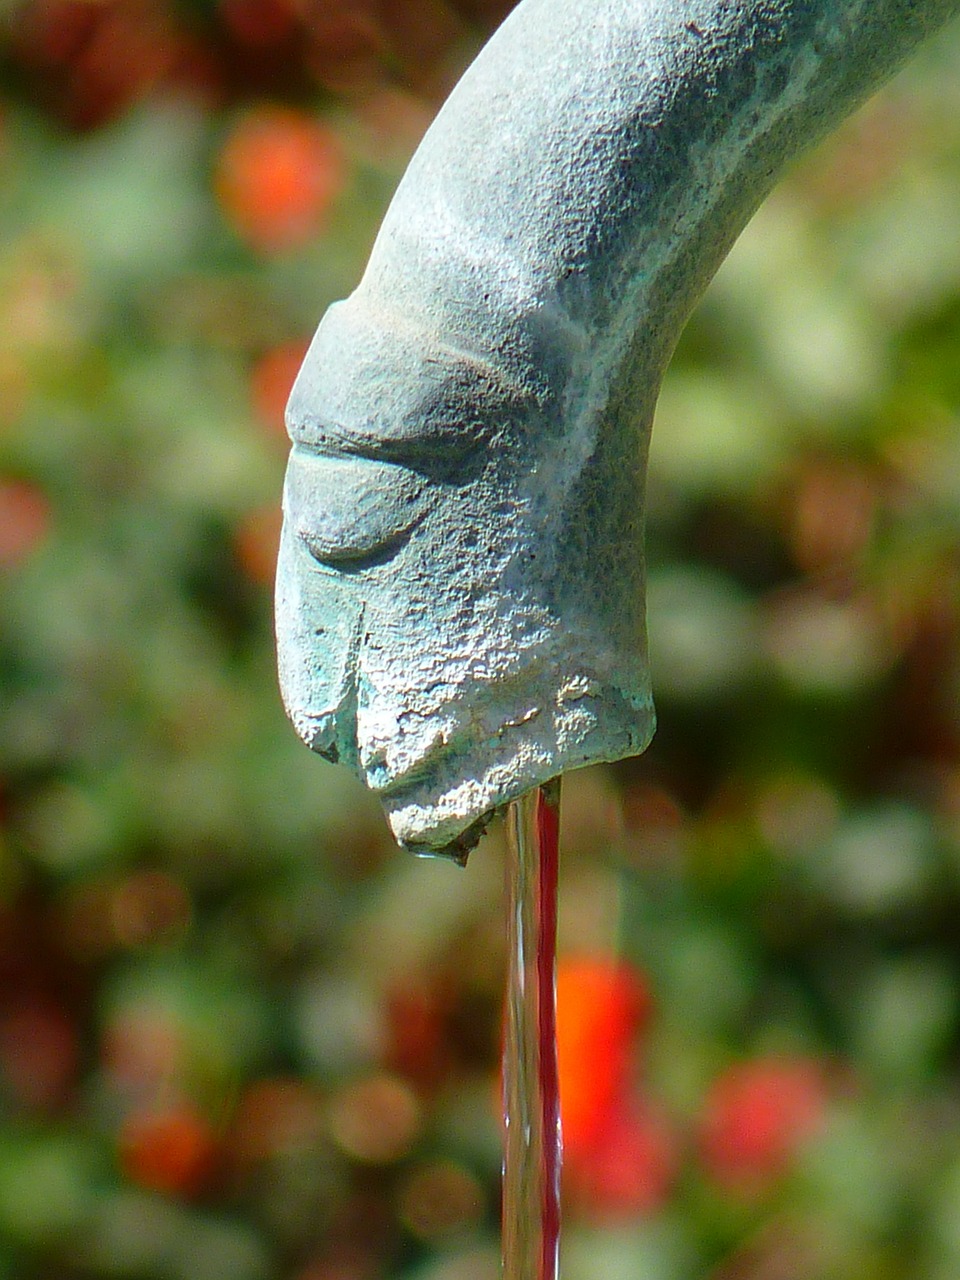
x=531 y=1094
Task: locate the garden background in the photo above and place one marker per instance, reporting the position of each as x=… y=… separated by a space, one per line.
x=242 y=1037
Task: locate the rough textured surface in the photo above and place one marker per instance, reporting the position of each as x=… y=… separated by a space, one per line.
x=460 y=603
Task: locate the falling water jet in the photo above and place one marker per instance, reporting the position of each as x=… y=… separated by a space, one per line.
x=531 y=1094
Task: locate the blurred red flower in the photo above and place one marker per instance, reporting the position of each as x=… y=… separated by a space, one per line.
x=620 y=1154
x=169 y=1149
x=601 y=1005
x=277 y=175
x=756 y=1116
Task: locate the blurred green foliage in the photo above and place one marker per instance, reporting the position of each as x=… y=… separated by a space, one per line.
x=241 y=1036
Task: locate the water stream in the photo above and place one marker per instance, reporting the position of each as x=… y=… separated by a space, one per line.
x=531 y=1095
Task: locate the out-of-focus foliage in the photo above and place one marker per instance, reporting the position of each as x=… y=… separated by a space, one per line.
x=242 y=1037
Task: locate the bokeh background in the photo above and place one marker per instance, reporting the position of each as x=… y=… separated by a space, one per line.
x=242 y=1037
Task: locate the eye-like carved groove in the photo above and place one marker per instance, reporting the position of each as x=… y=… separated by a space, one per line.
x=351 y=512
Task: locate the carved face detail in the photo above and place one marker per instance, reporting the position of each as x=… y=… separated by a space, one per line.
x=460 y=586
x=452 y=602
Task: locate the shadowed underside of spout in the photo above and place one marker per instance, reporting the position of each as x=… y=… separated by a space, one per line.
x=460 y=603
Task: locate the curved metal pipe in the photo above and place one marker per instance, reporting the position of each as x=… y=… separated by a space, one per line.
x=460 y=606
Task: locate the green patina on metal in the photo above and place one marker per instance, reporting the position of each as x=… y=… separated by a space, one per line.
x=460 y=601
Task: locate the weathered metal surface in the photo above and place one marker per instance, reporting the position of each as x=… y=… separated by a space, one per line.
x=460 y=603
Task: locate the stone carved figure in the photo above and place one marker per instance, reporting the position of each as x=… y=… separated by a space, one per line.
x=460 y=600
